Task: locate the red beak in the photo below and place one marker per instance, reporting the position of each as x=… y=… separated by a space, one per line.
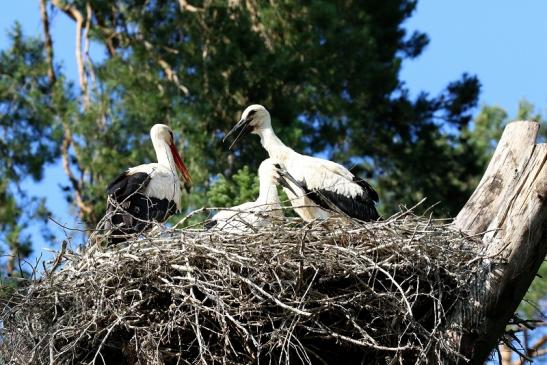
x=180 y=165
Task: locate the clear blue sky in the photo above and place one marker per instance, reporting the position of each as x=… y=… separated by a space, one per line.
x=503 y=42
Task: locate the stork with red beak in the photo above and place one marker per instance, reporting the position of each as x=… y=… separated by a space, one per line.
x=147 y=193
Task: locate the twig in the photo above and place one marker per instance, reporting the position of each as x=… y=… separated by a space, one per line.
x=48 y=44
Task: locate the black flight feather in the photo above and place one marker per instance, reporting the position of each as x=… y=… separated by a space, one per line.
x=135 y=211
x=361 y=207
x=127 y=184
x=210 y=224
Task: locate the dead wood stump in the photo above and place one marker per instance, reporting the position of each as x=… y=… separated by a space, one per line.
x=509 y=211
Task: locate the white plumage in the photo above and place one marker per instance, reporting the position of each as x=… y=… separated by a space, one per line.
x=164 y=182
x=251 y=215
x=321 y=187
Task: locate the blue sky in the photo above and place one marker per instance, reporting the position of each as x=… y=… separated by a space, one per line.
x=502 y=42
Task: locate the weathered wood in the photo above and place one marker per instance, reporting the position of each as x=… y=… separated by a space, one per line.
x=517 y=139
x=510 y=206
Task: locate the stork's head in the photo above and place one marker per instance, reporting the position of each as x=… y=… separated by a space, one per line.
x=161 y=132
x=254 y=119
x=163 y=135
x=267 y=172
x=271 y=172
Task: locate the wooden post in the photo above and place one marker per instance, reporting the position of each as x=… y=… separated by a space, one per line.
x=509 y=210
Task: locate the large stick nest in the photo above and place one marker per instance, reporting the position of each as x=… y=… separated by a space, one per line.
x=316 y=293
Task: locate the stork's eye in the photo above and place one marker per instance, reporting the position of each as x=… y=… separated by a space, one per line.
x=251 y=113
x=171 y=133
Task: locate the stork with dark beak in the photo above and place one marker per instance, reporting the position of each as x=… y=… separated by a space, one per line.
x=320 y=187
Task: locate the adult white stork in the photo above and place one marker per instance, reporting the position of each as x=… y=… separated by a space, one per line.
x=247 y=216
x=149 y=192
x=322 y=187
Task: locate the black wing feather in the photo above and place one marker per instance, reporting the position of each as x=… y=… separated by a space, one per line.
x=371 y=193
x=137 y=211
x=210 y=224
x=284 y=178
x=127 y=184
x=361 y=207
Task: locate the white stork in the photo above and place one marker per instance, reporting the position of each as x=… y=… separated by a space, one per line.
x=149 y=192
x=244 y=217
x=322 y=187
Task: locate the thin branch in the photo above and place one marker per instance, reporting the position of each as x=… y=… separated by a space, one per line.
x=76 y=186
x=172 y=76
x=77 y=16
x=184 y=6
x=48 y=44
x=90 y=67
x=167 y=69
x=536 y=350
x=539 y=343
x=258 y=26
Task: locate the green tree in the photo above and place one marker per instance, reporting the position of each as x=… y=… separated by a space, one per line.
x=328 y=72
x=29 y=140
x=243 y=187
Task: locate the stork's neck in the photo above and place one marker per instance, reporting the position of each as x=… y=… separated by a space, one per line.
x=164 y=155
x=276 y=149
x=267 y=193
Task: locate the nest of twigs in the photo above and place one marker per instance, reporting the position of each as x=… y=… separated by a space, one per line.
x=330 y=292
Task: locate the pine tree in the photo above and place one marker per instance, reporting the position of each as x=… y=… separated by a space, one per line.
x=29 y=140
x=327 y=72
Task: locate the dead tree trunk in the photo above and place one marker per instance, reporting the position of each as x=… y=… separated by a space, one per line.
x=509 y=211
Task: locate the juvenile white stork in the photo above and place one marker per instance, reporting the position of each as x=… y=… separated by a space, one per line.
x=322 y=187
x=244 y=217
x=149 y=192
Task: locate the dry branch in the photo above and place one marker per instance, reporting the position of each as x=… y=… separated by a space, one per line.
x=184 y=6
x=75 y=14
x=48 y=44
x=84 y=207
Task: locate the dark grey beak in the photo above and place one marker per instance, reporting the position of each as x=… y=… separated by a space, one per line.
x=241 y=129
x=285 y=177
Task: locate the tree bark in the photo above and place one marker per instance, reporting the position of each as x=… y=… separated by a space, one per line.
x=506 y=355
x=48 y=43
x=73 y=12
x=509 y=211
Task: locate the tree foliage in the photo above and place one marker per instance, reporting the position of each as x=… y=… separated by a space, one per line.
x=243 y=187
x=328 y=72
x=29 y=140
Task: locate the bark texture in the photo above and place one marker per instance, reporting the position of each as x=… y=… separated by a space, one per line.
x=509 y=210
